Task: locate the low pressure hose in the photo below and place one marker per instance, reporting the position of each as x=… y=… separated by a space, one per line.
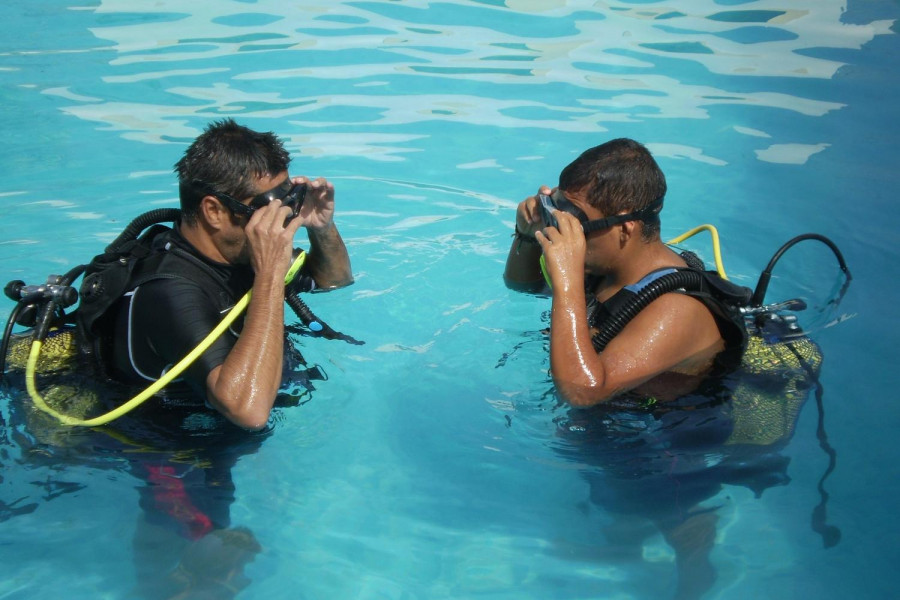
x=7 y=332
x=141 y=222
x=763 y=284
x=690 y=280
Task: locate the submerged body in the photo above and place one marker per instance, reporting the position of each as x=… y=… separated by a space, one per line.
x=240 y=211
x=660 y=465
x=660 y=427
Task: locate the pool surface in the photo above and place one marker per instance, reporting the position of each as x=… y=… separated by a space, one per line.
x=436 y=462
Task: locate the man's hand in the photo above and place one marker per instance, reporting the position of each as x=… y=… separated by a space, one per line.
x=523 y=271
x=270 y=241
x=564 y=251
x=327 y=261
x=528 y=215
x=317 y=212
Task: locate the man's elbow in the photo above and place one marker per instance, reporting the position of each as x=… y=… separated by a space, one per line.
x=532 y=287
x=332 y=274
x=582 y=396
x=326 y=284
x=253 y=425
x=251 y=420
x=581 y=400
x=252 y=416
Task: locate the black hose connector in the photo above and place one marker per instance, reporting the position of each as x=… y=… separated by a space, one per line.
x=314 y=323
x=306 y=315
x=44 y=320
x=57 y=302
x=37 y=305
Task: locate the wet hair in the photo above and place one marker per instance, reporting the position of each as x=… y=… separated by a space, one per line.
x=227 y=158
x=618 y=176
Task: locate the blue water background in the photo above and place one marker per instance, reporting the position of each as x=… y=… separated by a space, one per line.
x=426 y=466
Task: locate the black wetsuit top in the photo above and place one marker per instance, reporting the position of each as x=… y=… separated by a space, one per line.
x=159 y=322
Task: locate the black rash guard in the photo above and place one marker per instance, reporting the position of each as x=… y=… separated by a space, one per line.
x=161 y=321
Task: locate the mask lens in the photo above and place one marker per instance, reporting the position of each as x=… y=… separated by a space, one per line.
x=547 y=206
x=277 y=193
x=558 y=201
x=294 y=198
x=564 y=204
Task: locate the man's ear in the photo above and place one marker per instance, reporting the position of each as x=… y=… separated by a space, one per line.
x=627 y=230
x=213 y=213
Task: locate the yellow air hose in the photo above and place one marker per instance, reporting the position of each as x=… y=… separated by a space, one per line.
x=159 y=384
x=717 y=253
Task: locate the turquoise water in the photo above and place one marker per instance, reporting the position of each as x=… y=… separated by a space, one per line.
x=433 y=462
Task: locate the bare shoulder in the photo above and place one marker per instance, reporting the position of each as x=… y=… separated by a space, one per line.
x=675 y=333
x=673 y=308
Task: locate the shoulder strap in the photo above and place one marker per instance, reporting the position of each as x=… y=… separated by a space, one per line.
x=170 y=262
x=722 y=298
x=598 y=312
x=649 y=278
x=111 y=275
x=106 y=278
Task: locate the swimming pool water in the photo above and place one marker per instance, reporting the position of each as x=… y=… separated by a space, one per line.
x=434 y=462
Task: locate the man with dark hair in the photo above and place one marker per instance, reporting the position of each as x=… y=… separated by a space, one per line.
x=240 y=212
x=600 y=238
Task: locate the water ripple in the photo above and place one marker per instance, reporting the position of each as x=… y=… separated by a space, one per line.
x=554 y=66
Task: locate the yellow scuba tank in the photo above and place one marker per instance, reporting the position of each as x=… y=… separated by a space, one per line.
x=59 y=352
x=777 y=376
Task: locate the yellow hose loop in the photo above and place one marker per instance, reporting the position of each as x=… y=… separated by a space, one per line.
x=717 y=252
x=160 y=383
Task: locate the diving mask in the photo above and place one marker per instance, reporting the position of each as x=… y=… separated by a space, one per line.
x=290 y=194
x=558 y=201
